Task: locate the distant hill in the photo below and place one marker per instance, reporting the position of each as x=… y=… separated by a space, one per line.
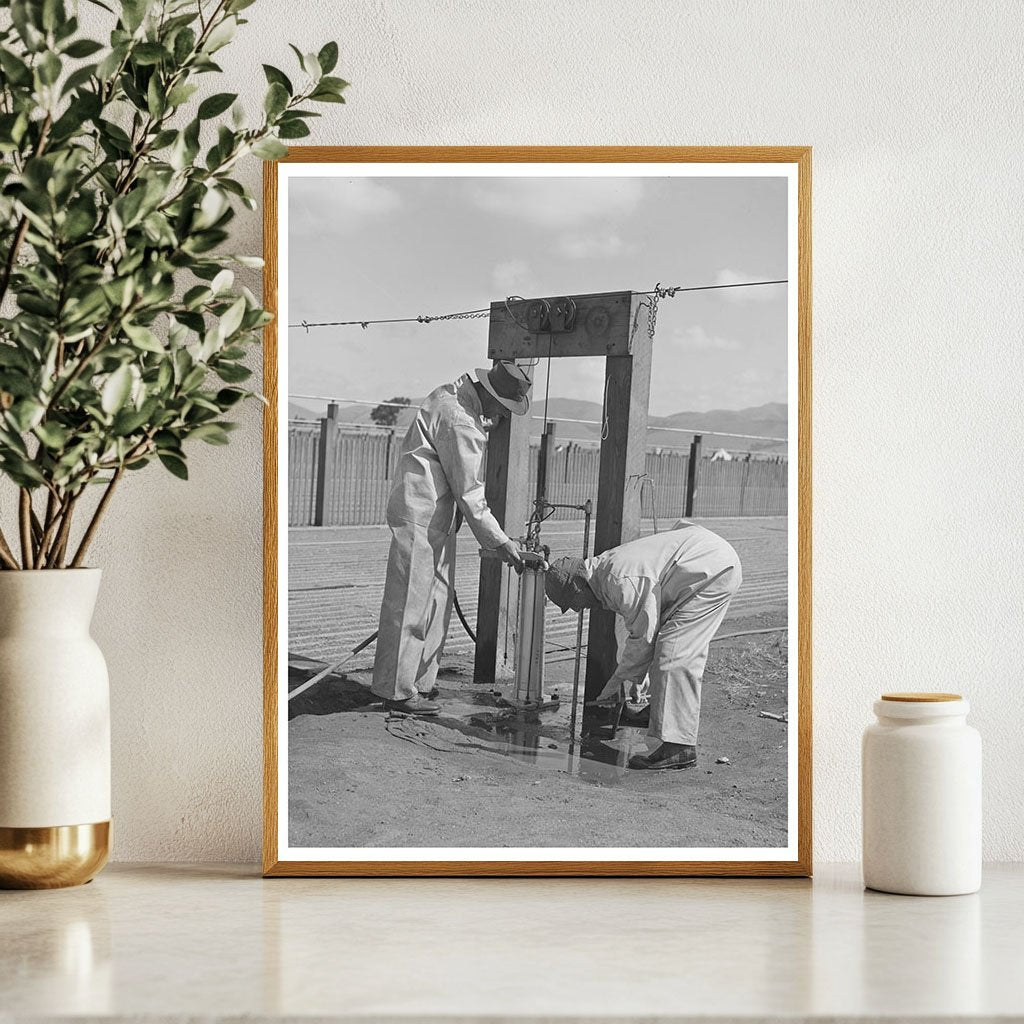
x=301 y=412
x=771 y=420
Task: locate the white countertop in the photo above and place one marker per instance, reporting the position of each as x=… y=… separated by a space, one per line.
x=180 y=941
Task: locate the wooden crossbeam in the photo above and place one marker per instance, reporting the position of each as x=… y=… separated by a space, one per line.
x=604 y=326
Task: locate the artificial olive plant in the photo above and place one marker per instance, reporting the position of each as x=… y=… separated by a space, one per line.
x=122 y=332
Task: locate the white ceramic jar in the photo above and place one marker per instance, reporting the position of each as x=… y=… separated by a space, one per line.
x=921 y=777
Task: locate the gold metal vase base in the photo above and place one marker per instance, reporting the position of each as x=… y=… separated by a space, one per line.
x=54 y=857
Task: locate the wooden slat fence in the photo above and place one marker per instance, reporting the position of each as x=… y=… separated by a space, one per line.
x=360 y=465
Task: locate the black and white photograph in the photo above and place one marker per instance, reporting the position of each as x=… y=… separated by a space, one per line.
x=537 y=537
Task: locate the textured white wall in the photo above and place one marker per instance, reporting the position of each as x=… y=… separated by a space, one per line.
x=914 y=113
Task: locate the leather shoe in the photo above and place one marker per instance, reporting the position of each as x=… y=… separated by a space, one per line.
x=685 y=758
x=412 y=706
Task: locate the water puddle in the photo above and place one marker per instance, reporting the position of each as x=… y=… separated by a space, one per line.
x=473 y=718
x=536 y=740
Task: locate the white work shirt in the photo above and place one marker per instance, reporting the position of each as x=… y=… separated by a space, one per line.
x=644 y=580
x=441 y=465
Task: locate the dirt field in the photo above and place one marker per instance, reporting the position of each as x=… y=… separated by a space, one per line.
x=477 y=776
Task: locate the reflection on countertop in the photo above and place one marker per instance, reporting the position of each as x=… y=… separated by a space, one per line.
x=179 y=941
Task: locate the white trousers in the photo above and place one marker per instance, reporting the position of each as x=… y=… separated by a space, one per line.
x=417 y=607
x=680 y=654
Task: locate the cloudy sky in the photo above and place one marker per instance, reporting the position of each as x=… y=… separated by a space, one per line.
x=376 y=248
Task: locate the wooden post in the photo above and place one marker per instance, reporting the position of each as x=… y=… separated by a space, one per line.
x=623 y=461
x=743 y=484
x=328 y=427
x=692 y=474
x=508 y=461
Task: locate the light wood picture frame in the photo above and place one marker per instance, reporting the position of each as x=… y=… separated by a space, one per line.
x=457 y=168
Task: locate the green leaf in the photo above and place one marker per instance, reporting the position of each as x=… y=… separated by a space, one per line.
x=328 y=57
x=222 y=281
x=133 y=12
x=49 y=68
x=149 y=53
x=232 y=319
x=16 y=70
x=232 y=373
x=53 y=14
x=195 y=296
x=53 y=435
x=211 y=433
x=334 y=84
x=193 y=379
x=293 y=130
x=116 y=390
x=156 y=101
x=216 y=104
x=175 y=464
x=78 y=78
x=181 y=94
x=83 y=48
x=26 y=21
x=162 y=139
x=111 y=62
x=325 y=96
x=276 y=99
x=221 y=35
x=144 y=338
x=128 y=421
x=26 y=413
x=184 y=44
x=21 y=471
x=275 y=75
x=228 y=397
x=269 y=149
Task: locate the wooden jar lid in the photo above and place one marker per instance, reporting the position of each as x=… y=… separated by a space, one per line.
x=921 y=698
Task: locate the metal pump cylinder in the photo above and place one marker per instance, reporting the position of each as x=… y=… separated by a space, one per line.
x=529 y=665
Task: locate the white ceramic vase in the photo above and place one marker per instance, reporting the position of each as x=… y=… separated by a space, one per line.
x=54 y=731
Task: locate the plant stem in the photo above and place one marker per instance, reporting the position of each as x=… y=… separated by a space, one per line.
x=37 y=529
x=50 y=526
x=51 y=509
x=60 y=544
x=6 y=555
x=25 y=522
x=94 y=523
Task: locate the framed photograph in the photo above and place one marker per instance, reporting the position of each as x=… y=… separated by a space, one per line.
x=538 y=511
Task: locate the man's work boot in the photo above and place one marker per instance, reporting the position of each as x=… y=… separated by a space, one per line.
x=669 y=756
x=416 y=706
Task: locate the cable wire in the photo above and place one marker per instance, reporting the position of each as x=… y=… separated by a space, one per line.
x=472 y=314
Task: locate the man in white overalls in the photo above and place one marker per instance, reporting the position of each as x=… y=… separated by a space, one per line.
x=439 y=475
x=672 y=591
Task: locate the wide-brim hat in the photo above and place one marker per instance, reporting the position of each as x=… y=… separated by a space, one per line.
x=509 y=383
x=565 y=578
